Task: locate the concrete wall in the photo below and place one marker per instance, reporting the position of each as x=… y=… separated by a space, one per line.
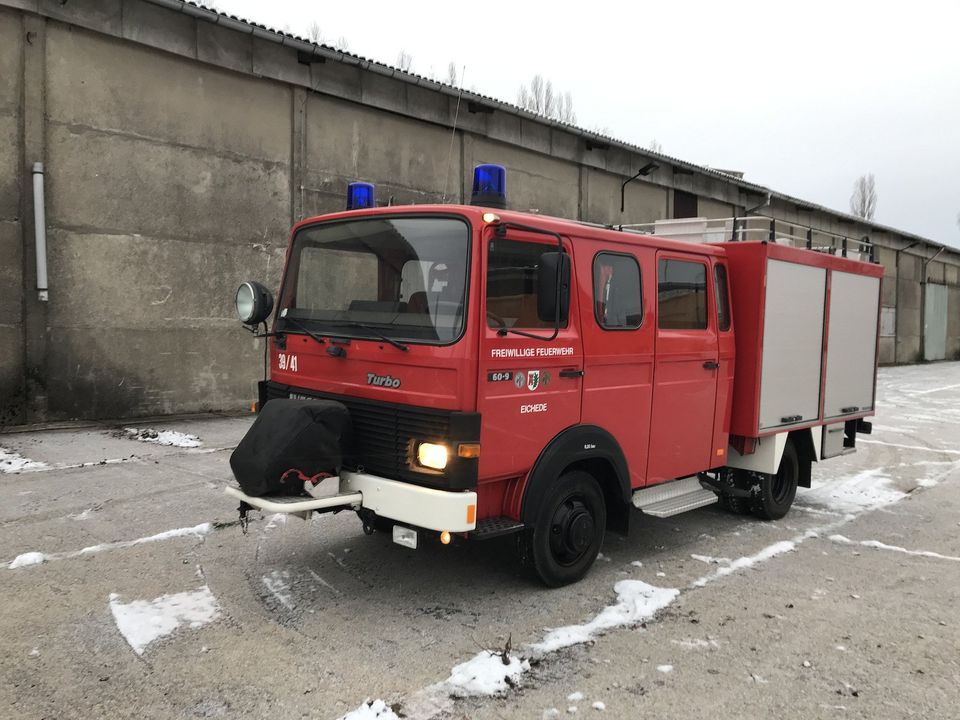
x=178 y=152
x=12 y=370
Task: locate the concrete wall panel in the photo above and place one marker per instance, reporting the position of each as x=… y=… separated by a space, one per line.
x=149 y=24
x=119 y=184
x=11 y=240
x=643 y=202
x=10 y=72
x=98 y=82
x=712 y=209
x=953 y=323
x=124 y=372
x=887 y=347
x=10 y=153
x=405 y=158
x=154 y=283
x=534 y=182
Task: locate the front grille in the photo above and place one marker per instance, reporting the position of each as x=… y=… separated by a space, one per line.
x=383 y=434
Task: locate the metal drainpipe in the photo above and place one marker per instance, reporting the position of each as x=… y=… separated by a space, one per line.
x=40 y=232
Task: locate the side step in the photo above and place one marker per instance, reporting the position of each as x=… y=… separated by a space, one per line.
x=673 y=498
x=495 y=527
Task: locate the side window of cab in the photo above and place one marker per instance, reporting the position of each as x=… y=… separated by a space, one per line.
x=617 y=293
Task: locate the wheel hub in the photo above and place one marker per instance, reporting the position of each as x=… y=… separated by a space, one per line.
x=572 y=531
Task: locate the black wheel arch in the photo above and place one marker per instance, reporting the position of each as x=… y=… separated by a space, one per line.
x=806 y=453
x=589 y=448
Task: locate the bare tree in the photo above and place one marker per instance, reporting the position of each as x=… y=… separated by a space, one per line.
x=404 y=60
x=452 y=73
x=863 y=202
x=565 y=111
x=315 y=35
x=342 y=44
x=656 y=146
x=540 y=97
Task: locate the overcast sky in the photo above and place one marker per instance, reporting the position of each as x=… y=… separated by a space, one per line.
x=801 y=100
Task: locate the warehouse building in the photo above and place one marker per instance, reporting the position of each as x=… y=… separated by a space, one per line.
x=176 y=145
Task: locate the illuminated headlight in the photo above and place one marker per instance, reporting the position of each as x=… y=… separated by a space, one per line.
x=432 y=455
x=245 y=302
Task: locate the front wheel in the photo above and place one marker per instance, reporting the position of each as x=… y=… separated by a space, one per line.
x=777 y=492
x=568 y=532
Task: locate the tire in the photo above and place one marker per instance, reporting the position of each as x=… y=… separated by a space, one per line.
x=568 y=532
x=735 y=505
x=777 y=492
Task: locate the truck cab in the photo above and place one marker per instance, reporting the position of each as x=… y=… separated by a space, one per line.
x=512 y=373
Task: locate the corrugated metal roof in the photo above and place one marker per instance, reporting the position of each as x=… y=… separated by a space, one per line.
x=286 y=38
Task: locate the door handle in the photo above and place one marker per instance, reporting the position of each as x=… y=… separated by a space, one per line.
x=571 y=373
x=711 y=365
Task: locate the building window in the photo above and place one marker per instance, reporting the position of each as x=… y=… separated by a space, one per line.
x=617 y=296
x=682 y=295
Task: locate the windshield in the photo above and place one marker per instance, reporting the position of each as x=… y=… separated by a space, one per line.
x=401 y=277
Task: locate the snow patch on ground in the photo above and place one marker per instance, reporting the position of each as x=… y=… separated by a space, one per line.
x=486 y=674
x=696 y=643
x=143 y=621
x=371 y=710
x=14 y=462
x=197 y=531
x=765 y=554
x=598 y=705
x=711 y=560
x=894 y=548
x=636 y=601
x=866 y=490
x=163 y=437
x=575 y=696
x=26 y=559
x=276 y=585
x=665 y=668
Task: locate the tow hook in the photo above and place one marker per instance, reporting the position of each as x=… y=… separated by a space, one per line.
x=244 y=520
x=366 y=517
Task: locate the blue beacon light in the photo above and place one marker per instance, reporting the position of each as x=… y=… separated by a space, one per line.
x=489 y=186
x=360 y=195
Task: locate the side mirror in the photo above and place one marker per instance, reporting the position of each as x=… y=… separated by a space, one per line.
x=553 y=274
x=254 y=303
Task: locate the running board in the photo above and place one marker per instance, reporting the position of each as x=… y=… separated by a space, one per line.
x=673 y=498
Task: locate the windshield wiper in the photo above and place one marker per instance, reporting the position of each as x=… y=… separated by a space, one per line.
x=298 y=324
x=373 y=331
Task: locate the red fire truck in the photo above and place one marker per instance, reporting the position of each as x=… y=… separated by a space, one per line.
x=507 y=372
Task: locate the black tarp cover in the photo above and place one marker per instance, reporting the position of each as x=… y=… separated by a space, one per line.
x=303 y=435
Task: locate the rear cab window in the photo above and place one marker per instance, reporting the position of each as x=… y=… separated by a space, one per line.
x=617 y=292
x=681 y=295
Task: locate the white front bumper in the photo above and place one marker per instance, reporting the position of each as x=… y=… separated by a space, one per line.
x=411 y=504
x=423 y=507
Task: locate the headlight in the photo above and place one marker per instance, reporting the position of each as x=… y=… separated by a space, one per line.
x=432 y=455
x=254 y=303
x=245 y=302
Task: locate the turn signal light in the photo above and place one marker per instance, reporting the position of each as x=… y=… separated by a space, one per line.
x=432 y=455
x=491 y=218
x=468 y=450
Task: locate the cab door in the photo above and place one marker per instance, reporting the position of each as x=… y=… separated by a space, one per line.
x=687 y=364
x=529 y=387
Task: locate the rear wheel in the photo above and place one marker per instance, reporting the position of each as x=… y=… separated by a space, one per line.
x=736 y=505
x=777 y=492
x=568 y=532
